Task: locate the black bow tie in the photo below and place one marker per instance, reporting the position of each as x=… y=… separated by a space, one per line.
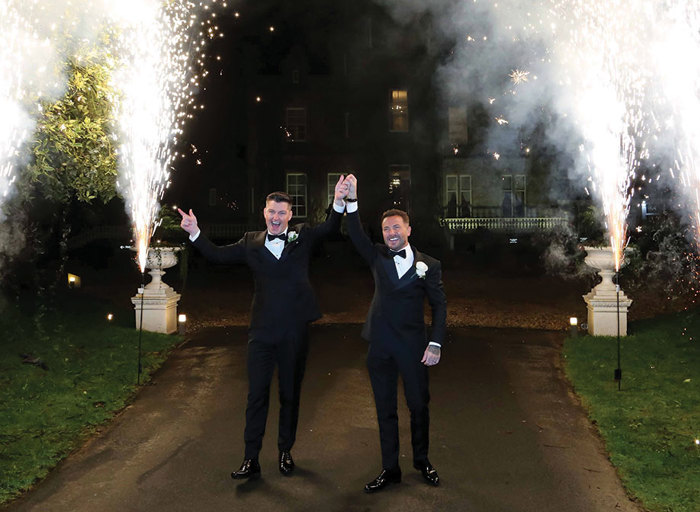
x=401 y=253
x=281 y=236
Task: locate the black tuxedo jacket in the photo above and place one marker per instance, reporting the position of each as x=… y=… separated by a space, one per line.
x=396 y=314
x=283 y=297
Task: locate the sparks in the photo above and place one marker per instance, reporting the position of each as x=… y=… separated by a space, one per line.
x=517 y=76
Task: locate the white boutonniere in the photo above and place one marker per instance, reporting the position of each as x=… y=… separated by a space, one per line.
x=292 y=235
x=421 y=269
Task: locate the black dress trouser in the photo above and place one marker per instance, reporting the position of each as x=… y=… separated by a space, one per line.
x=286 y=350
x=384 y=365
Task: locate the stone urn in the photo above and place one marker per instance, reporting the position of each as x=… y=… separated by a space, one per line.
x=157 y=302
x=607 y=305
x=158 y=259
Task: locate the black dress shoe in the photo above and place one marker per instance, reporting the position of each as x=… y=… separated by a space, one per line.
x=428 y=472
x=249 y=469
x=386 y=477
x=286 y=463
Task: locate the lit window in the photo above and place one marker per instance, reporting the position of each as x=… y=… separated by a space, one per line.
x=295 y=121
x=296 y=188
x=400 y=186
x=398 y=111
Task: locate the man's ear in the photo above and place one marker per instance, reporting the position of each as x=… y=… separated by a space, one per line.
x=408 y=231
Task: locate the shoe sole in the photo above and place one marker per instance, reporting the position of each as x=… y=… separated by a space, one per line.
x=372 y=491
x=253 y=476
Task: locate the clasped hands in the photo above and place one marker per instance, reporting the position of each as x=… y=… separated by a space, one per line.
x=345 y=188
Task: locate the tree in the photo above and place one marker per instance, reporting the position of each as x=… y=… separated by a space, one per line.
x=74 y=162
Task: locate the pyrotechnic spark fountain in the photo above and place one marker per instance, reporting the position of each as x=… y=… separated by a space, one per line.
x=17 y=41
x=158 y=45
x=677 y=59
x=608 y=80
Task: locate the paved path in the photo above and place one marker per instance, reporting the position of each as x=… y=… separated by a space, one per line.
x=506 y=435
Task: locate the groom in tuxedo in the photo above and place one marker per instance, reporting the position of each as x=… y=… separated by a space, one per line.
x=398 y=343
x=283 y=305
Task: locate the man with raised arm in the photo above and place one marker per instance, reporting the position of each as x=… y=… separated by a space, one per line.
x=398 y=342
x=283 y=305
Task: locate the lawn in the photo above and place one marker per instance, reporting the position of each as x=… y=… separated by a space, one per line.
x=652 y=424
x=84 y=370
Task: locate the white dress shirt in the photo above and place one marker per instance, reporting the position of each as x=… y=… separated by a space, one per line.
x=276 y=246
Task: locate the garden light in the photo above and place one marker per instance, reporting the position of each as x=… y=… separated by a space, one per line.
x=573 y=326
x=181 y=321
x=73 y=281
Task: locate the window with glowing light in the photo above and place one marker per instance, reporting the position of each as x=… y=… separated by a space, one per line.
x=295 y=122
x=297 y=190
x=398 y=111
x=400 y=186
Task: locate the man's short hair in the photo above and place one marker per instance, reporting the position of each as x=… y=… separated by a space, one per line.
x=278 y=197
x=396 y=213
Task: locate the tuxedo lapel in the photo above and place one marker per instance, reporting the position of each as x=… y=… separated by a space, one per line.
x=388 y=264
x=257 y=246
x=411 y=274
x=292 y=245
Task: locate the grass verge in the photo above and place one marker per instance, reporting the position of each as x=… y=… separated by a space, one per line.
x=650 y=427
x=85 y=372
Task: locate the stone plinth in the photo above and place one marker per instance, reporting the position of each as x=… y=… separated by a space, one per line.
x=602 y=301
x=603 y=311
x=159 y=309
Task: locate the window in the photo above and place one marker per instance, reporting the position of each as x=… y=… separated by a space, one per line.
x=398 y=111
x=457 y=129
x=295 y=121
x=332 y=180
x=458 y=195
x=514 y=196
x=400 y=186
x=296 y=188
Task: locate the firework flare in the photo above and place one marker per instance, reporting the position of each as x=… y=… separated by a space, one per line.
x=158 y=45
x=19 y=84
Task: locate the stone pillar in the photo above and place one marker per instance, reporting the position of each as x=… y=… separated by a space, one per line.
x=603 y=308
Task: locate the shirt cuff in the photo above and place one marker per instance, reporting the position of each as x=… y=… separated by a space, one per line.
x=339 y=209
x=351 y=207
x=435 y=344
x=195 y=236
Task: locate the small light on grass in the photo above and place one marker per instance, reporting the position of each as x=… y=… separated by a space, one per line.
x=258 y=99
x=573 y=326
x=181 y=321
x=697 y=442
x=110 y=316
